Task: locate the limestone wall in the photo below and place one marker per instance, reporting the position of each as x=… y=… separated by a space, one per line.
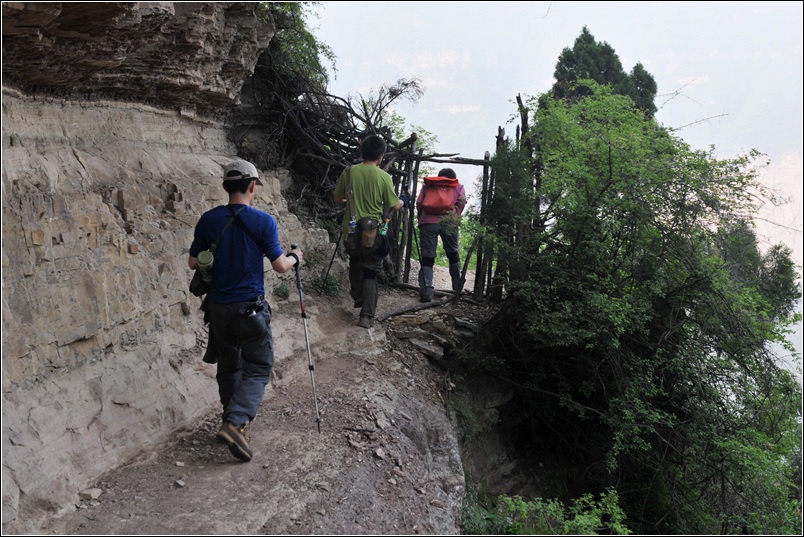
x=101 y=340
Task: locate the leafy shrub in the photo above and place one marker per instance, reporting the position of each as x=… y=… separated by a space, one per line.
x=485 y=514
x=329 y=285
x=282 y=291
x=450 y=223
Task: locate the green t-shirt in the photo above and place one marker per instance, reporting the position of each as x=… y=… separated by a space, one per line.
x=371 y=186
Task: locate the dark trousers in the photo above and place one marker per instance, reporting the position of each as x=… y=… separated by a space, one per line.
x=429 y=234
x=365 y=264
x=240 y=338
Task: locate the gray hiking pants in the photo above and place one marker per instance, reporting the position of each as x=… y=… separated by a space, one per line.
x=240 y=338
x=429 y=234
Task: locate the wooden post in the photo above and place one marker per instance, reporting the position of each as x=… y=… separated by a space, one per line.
x=479 y=287
x=413 y=185
x=402 y=222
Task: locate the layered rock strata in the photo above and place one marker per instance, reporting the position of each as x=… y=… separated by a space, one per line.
x=100 y=336
x=189 y=56
x=101 y=339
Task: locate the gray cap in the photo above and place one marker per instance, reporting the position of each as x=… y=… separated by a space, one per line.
x=241 y=169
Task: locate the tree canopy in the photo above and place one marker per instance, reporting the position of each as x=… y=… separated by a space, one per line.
x=638 y=323
x=590 y=59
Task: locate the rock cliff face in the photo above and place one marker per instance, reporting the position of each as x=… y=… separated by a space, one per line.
x=112 y=148
x=189 y=56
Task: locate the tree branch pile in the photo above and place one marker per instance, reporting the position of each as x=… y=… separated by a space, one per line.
x=289 y=121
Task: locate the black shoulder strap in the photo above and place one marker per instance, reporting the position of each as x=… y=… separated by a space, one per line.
x=350 y=198
x=242 y=225
x=350 y=195
x=214 y=245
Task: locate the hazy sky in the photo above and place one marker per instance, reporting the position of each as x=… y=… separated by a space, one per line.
x=731 y=72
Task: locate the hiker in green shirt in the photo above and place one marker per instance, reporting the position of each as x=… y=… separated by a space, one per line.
x=368 y=203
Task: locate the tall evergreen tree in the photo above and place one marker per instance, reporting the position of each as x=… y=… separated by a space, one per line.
x=590 y=59
x=642 y=89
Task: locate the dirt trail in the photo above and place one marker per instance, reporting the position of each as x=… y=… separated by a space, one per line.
x=385 y=462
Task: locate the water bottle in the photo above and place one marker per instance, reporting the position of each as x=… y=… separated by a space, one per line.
x=384 y=228
x=352 y=226
x=205 y=260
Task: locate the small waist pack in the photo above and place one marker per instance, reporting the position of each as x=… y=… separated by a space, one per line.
x=198 y=286
x=367 y=229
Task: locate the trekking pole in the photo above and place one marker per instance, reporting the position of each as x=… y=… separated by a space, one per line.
x=306 y=336
x=418 y=250
x=324 y=279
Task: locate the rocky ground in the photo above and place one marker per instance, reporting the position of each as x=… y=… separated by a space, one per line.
x=386 y=459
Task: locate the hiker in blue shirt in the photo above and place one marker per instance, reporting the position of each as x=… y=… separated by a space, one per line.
x=240 y=338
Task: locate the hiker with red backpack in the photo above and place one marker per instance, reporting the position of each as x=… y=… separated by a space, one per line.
x=438 y=207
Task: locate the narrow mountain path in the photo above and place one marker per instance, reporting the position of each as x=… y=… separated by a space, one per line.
x=386 y=460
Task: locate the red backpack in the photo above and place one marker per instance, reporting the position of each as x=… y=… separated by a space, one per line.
x=439 y=195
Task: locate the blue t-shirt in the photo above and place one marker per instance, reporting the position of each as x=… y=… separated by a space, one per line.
x=237 y=270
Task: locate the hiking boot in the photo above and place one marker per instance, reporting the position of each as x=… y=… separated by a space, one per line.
x=455 y=276
x=237 y=438
x=365 y=322
x=426 y=284
x=245 y=430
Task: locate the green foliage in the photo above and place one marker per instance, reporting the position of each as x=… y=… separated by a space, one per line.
x=473 y=421
x=479 y=514
x=465 y=416
x=640 y=316
x=282 y=291
x=597 y=61
x=450 y=223
x=485 y=514
x=642 y=89
x=297 y=51
x=425 y=140
x=328 y=285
